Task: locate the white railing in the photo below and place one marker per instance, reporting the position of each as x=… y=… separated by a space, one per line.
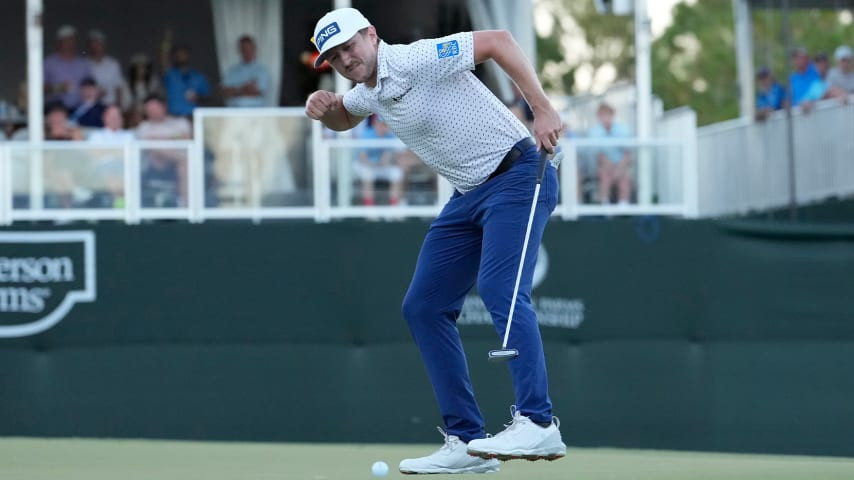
x=744 y=165
x=671 y=177
x=275 y=163
x=30 y=173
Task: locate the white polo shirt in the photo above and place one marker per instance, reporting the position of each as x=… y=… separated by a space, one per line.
x=432 y=101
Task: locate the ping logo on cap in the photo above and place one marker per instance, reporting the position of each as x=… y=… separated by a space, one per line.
x=326 y=33
x=448 y=49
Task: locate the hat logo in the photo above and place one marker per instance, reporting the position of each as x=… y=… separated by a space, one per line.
x=326 y=33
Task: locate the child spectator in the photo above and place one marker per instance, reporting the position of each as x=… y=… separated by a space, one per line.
x=90 y=110
x=378 y=164
x=770 y=95
x=614 y=163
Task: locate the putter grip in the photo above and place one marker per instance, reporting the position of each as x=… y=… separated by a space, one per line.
x=544 y=160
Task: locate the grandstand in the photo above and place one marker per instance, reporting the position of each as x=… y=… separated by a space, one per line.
x=224 y=300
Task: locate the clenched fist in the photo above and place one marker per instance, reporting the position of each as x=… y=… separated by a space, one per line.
x=320 y=103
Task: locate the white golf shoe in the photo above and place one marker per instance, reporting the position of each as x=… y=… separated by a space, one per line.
x=451 y=458
x=521 y=439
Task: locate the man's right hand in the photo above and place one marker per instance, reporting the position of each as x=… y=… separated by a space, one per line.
x=320 y=103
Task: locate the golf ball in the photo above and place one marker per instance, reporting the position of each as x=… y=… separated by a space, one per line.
x=379 y=469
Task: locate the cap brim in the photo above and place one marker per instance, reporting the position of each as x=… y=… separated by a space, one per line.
x=319 y=60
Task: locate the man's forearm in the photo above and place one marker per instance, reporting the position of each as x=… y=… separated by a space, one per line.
x=338 y=120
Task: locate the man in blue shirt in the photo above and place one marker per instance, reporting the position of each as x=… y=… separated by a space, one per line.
x=802 y=78
x=247 y=84
x=184 y=85
x=770 y=95
x=614 y=162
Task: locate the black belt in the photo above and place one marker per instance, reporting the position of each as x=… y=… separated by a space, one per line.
x=515 y=152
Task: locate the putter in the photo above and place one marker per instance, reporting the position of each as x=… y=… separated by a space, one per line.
x=510 y=353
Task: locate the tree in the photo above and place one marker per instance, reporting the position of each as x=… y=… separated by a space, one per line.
x=693 y=61
x=581 y=45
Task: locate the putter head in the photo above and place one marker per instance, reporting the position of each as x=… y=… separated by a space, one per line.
x=503 y=355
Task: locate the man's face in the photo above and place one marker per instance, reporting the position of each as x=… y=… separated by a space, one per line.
x=801 y=62
x=113 y=118
x=89 y=93
x=247 y=51
x=56 y=120
x=765 y=81
x=822 y=66
x=155 y=110
x=181 y=58
x=606 y=118
x=67 y=45
x=845 y=64
x=96 y=47
x=356 y=59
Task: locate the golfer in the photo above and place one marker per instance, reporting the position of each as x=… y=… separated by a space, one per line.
x=432 y=101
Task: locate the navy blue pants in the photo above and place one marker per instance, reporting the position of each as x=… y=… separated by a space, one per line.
x=478 y=237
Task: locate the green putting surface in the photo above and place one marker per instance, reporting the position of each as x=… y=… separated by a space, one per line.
x=85 y=459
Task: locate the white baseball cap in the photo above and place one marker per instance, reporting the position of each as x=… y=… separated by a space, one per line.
x=843 y=52
x=335 y=28
x=65 y=31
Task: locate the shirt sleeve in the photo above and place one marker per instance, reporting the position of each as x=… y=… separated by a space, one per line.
x=356 y=104
x=437 y=58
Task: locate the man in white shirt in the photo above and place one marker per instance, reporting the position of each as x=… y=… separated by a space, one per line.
x=840 y=79
x=432 y=101
x=246 y=84
x=106 y=71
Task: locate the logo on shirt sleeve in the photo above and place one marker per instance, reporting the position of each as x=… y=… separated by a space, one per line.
x=448 y=49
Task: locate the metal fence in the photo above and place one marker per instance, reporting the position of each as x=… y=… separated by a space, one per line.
x=277 y=164
x=744 y=165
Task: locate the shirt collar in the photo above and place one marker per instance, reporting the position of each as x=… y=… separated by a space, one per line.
x=382 y=65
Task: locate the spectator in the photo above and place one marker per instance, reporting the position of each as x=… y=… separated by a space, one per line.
x=106 y=72
x=113 y=130
x=770 y=95
x=64 y=70
x=378 y=164
x=109 y=165
x=840 y=79
x=164 y=171
x=143 y=83
x=185 y=86
x=614 y=164
x=159 y=125
x=805 y=83
x=90 y=111
x=57 y=125
x=246 y=84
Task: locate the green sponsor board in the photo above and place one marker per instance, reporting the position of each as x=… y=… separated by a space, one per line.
x=658 y=333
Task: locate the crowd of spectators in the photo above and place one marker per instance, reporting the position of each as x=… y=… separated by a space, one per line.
x=812 y=79
x=89 y=98
x=86 y=85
